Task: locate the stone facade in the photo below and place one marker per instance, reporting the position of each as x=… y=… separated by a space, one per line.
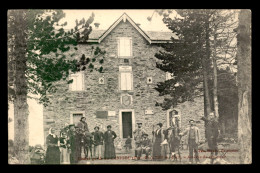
x=107 y=96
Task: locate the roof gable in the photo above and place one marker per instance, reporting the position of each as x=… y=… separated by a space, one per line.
x=150 y=36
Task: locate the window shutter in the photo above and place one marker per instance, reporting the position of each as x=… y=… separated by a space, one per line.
x=130 y=48
x=123 y=81
x=124 y=47
x=78 y=82
x=74 y=83
x=129 y=81
x=127 y=46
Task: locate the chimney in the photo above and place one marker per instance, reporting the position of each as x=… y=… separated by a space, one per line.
x=96 y=25
x=138 y=24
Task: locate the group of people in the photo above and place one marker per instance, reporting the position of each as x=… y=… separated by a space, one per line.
x=168 y=141
x=73 y=139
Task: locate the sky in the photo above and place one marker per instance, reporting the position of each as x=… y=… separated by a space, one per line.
x=108 y=17
x=35 y=123
x=105 y=18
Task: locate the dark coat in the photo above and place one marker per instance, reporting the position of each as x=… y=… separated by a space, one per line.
x=110 y=152
x=53 y=152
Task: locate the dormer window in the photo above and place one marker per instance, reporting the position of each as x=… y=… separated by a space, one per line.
x=124 y=47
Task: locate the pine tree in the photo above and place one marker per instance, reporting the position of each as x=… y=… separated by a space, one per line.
x=37 y=59
x=185 y=58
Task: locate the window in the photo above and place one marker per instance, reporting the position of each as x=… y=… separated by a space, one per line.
x=169 y=76
x=78 y=81
x=126 y=80
x=125 y=47
x=75 y=116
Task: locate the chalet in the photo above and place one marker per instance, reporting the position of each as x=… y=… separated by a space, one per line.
x=124 y=94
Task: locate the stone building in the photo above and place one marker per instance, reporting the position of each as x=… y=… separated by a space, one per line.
x=124 y=94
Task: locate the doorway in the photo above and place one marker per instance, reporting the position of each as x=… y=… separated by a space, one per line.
x=127 y=124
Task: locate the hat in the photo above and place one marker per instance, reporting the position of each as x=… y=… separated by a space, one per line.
x=109 y=126
x=145 y=134
x=71 y=125
x=82 y=118
x=191 y=120
x=175 y=112
x=96 y=127
x=139 y=123
x=160 y=124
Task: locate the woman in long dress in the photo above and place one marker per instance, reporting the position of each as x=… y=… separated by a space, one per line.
x=158 y=150
x=109 y=137
x=65 y=155
x=53 y=152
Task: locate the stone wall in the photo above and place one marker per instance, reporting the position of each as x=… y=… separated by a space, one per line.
x=107 y=97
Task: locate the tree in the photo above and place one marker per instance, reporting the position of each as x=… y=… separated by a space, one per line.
x=37 y=59
x=244 y=87
x=223 y=46
x=207 y=34
x=187 y=58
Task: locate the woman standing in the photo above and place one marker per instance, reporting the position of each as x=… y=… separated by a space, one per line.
x=109 y=137
x=157 y=148
x=53 y=152
x=64 y=144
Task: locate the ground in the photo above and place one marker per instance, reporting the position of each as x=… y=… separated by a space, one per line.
x=231 y=156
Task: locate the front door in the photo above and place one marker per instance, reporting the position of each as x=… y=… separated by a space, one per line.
x=127 y=124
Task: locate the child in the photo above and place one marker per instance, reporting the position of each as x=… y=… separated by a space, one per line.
x=128 y=143
x=64 y=148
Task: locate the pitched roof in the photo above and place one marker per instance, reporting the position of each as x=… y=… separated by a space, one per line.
x=150 y=36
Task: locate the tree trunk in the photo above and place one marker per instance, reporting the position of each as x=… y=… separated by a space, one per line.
x=244 y=87
x=21 y=132
x=205 y=59
x=215 y=73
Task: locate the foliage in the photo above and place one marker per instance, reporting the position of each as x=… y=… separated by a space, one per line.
x=47 y=44
x=182 y=58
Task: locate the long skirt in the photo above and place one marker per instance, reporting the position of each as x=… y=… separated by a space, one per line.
x=64 y=156
x=52 y=155
x=110 y=152
x=159 y=152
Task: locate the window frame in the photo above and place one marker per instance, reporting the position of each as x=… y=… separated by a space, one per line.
x=131 y=75
x=83 y=81
x=76 y=112
x=118 y=48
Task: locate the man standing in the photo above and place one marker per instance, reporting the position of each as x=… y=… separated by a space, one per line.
x=73 y=144
x=82 y=125
x=193 y=140
x=98 y=142
x=212 y=134
x=138 y=134
x=82 y=129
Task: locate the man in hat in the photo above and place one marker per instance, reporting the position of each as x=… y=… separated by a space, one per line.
x=82 y=125
x=72 y=144
x=193 y=140
x=138 y=134
x=146 y=145
x=82 y=130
